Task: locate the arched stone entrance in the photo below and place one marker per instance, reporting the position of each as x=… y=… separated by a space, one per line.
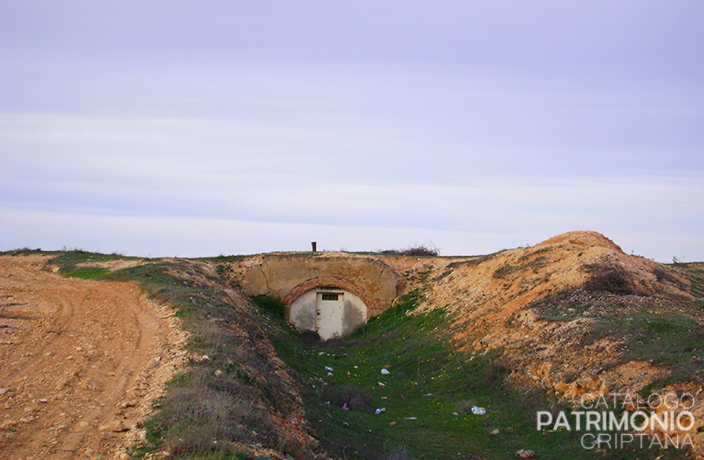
x=365 y=286
x=330 y=305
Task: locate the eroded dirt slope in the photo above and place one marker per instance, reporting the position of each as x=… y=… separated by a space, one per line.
x=576 y=316
x=80 y=362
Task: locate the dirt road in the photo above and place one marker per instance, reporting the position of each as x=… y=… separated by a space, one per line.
x=80 y=362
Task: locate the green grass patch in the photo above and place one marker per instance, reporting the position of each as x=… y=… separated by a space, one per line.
x=427 y=395
x=85 y=272
x=69 y=261
x=270 y=305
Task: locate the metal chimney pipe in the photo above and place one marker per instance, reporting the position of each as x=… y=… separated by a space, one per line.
x=315 y=246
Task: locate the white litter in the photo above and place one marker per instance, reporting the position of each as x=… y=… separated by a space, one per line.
x=328 y=368
x=478 y=410
x=380 y=410
x=385 y=371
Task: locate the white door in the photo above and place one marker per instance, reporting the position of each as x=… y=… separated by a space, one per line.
x=328 y=318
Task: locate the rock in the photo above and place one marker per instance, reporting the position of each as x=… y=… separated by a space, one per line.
x=525 y=453
x=116 y=426
x=8 y=425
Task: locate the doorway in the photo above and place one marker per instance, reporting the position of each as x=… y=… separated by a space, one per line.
x=329 y=312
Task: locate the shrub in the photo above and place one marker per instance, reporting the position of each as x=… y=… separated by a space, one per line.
x=354 y=398
x=413 y=251
x=608 y=278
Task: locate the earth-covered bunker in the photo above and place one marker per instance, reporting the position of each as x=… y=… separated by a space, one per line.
x=330 y=293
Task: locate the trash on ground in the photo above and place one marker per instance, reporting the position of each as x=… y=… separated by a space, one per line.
x=427 y=394
x=385 y=371
x=328 y=368
x=478 y=410
x=411 y=418
x=380 y=410
x=381 y=384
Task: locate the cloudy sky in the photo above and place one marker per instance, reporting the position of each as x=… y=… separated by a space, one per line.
x=162 y=128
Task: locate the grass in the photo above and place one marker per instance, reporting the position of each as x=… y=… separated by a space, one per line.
x=427 y=395
x=647 y=329
x=69 y=261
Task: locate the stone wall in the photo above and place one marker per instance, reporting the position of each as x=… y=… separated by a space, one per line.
x=290 y=275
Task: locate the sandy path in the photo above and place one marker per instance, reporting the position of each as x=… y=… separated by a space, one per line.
x=80 y=362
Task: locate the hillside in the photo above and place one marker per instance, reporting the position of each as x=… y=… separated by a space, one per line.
x=575 y=313
x=516 y=332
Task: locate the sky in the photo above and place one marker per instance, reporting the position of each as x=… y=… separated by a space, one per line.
x=182 y=128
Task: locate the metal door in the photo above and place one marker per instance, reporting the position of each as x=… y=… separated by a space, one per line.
x=328 y=316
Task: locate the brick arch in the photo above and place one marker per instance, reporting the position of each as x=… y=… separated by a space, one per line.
x=335 y=282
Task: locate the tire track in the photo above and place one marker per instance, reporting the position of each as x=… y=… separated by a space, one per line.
x=80 y=371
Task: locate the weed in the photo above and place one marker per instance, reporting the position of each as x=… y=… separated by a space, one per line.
x=270 y=305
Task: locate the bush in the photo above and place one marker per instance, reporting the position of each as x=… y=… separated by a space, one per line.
x=606 y=278
x=355 y=398
x=310 y=337
x=414 y=251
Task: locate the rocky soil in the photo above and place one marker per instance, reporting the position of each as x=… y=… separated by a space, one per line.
x=575 y=316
